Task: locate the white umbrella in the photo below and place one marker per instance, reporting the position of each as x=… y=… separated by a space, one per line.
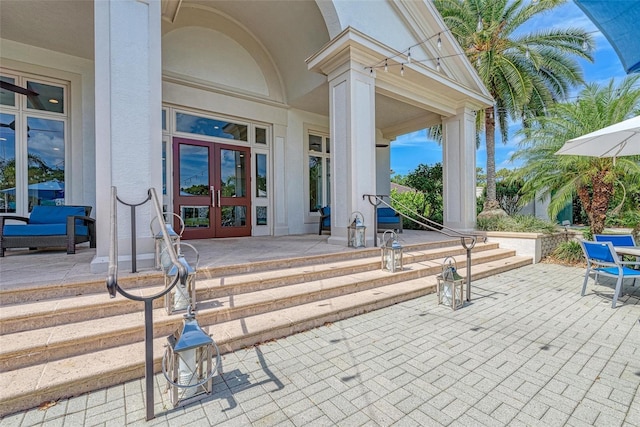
x=621 y=139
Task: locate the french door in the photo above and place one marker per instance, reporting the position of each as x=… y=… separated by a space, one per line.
x=211 y=188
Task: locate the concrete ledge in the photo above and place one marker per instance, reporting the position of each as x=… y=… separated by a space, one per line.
x=534 y=245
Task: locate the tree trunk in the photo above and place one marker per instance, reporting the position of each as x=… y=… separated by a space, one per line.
x=596 y=202
x=491 y=202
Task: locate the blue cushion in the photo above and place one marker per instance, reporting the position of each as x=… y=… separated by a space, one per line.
x=42 y=230
x=626 y=271
x=54 y=214
x=386 y=212
x=389 y=220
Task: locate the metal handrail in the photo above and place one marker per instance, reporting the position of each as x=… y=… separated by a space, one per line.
x=468 y=240
x=113 y=287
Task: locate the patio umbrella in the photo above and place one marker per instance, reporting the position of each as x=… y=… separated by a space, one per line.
x=618 y=21
x=621 y=139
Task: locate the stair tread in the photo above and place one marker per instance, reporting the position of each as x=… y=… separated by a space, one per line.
x=54 y=336
x=64 y=303
x=56 y=376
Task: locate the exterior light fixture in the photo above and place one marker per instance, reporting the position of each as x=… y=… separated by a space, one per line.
x=356 y=230
x=157 y=232
x=183 y=295
x=188 y=364
x=391 y=252
x=450 y=285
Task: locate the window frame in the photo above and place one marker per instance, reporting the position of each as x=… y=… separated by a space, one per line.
x=325 y=154
x=22 y=113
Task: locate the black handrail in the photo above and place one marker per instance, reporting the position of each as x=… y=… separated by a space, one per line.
x=113 y=287
x=468 y=240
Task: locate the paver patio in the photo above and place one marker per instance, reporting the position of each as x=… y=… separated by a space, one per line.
x=528 y=350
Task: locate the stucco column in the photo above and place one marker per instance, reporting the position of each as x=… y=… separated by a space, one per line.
x=383 y=165
x=128 y=75
x=459 y=170
x=353 y=160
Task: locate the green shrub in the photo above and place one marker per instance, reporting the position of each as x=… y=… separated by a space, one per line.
x=569 y=252
x=516 y=223
x=625 y=219
x=409 y=203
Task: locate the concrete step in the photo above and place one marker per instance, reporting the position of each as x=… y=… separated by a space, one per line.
x=26 y=316
x=38 y=345
x=93 y=370
x=24 y=294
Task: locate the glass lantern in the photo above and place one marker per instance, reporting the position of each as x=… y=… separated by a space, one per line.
x=188 y=362
x=183 y=295
x=158 y=237
x=450 y=285
x=391 y=252
x=356 y=230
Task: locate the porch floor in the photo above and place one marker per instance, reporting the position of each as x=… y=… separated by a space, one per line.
x=24 y=268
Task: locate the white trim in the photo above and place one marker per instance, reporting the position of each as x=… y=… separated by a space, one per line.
x=22 y=113
x=309 y=129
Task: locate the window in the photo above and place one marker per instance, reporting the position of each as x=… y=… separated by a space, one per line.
x=199 y=125
x=319 y=171
x=32 y=143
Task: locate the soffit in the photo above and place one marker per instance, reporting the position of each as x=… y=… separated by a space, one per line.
x=60 y=25
x=290 y=31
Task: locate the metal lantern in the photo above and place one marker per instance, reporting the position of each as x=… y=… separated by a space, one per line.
x=450 y=287
x=356 y=230
x=158 y=236
x=188 y=364
x=183 y=295
x=391 y=252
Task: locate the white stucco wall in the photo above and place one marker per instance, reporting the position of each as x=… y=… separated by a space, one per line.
x=80 y=156
x=210 y=56
x=296 y=160
x=375 y=19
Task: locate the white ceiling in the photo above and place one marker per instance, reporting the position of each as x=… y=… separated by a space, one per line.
x=290 y=31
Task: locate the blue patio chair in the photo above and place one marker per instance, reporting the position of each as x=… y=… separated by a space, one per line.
x=325 y=219
x=619 y=240
x=615 y=239
x=603 y=260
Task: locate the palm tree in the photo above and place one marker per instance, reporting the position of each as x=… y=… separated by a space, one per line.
x=594 y=180
x=524 y=72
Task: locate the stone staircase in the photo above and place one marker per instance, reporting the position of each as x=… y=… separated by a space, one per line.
x=61 y=341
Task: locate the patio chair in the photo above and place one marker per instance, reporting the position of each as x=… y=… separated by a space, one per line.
x=619 y=240
x=603 y=260
x=616 y=239
x=325 y=219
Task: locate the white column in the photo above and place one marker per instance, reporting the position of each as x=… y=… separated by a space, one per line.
x=459 y=170
x=383 y=165
x=281 y=226
x=128 y=76
x=353 y=137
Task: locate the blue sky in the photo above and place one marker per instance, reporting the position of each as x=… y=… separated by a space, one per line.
x=408 y=151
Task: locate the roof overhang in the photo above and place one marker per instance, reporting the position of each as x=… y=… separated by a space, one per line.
x=436 y=94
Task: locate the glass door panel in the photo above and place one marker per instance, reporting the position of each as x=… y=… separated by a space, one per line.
x=210 y=189
x=192 y=195
x=234 y=201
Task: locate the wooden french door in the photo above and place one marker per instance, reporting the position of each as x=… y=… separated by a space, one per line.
x=211 y=190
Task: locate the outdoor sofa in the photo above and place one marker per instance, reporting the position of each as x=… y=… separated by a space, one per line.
x=49 y=226
x=388 y=219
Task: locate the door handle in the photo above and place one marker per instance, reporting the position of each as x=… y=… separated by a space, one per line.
x=219 y=204
x=213 y=200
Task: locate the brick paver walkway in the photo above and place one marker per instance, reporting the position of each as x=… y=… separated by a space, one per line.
x=528 y=350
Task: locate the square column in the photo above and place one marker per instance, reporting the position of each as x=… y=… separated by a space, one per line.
x=128 y=75
x=459 y=170
x=353 y=149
